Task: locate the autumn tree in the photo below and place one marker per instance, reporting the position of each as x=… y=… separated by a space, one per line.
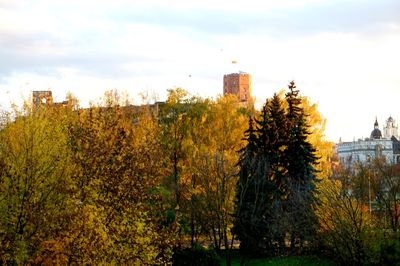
x=324 y=151
x=345 y=224
x=35 y=182
x=179 y=117
x=202 y=138
x=83 y=186
x=216 y=166
x=174 y=130
x=384 y=184
x=119 y=172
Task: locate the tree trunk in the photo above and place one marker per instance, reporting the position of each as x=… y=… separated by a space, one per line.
x=192 y=225
x=227 y=248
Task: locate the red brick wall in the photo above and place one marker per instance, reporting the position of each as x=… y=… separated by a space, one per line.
x=238 y=84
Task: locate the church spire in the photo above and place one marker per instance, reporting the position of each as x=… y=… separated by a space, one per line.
x=376 y=133
x=391 y=129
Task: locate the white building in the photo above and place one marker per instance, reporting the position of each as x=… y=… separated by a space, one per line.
x=377 y=146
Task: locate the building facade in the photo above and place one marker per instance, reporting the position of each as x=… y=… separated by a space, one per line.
x=384 y=146
x=238 y=84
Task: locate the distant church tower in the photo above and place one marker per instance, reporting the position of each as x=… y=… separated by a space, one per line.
x=238 y=84
x=376 y=133
x=391 y=129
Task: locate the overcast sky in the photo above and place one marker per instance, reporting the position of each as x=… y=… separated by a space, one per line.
x=343 y=54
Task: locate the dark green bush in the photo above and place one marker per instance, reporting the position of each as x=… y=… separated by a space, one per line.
x=196 y=256
x=390 y=251
x=376 y=247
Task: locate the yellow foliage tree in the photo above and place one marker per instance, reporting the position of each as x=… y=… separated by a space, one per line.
x=119 y=169
x=35 y=182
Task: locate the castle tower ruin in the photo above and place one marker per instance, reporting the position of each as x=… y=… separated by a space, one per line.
x=238 y=84
x=40 y=98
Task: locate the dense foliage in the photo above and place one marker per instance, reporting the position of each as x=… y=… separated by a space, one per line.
x=185 y=180
x=82 y=187
x=358 y=214
x=117 y=184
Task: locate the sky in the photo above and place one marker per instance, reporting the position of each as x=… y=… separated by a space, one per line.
x=343 y=54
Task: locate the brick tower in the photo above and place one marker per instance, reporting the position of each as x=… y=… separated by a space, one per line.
x=238 y=84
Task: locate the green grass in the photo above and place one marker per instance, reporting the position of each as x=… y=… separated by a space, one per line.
x=283 y=261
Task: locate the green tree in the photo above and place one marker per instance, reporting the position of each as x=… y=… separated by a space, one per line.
x=275 y=192
x=324 y=148
x=301 y=161
x=277 y=132
x=253 y=187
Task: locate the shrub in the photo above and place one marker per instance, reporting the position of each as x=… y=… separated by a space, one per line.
x=390 y=251
x=197 y=255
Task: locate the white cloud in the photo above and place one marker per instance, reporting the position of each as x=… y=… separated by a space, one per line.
x=212 y=4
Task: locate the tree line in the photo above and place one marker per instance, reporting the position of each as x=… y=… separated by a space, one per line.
x=122 y=184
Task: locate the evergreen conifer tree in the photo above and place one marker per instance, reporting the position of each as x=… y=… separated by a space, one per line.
x=300 y=159
x=275 y=191
x=251 y=197
x=277 y=135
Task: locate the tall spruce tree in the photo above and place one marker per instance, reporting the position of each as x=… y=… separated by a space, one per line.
x=300 y=161
x=267 y=139
x=251 y=195
x=275 y=191
x=260 y=178
x=277 y=136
